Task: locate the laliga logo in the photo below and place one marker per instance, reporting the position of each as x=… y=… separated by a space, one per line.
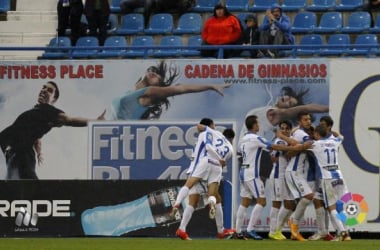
x=24 y=218
x=352 y=209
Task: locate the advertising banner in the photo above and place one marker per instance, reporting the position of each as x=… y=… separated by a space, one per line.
x=70 y=208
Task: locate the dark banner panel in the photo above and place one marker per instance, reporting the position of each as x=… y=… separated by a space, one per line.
x=95 y=208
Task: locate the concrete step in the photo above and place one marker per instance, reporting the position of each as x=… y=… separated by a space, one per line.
x=25 y=39
x=32 y=16
x=28 y=26
x=19 y=55
x=37 y=5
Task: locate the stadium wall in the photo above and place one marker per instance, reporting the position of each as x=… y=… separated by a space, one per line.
x=349 y=87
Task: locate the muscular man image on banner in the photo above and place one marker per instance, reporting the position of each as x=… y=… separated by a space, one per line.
x=22 y=140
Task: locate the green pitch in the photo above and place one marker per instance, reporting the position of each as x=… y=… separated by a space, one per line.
x=174 y=243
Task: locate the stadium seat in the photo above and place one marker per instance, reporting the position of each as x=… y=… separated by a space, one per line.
x=331 y=22
x=261 y=5
x=170 y=42
x=349 y=5
x=310 y=41
x=140 y=41
x=205 y=5
x=360 y=49
x=192 y=41
x=112 y=24
x=131 y=24
x=304 y=22
x=160 y=24
x=5 y=6
x=86 y=41
x=63 y=42
x=321 y=5
x=376 y=27
x=358 y=22
x=293 y=5
x=189 y=23
x=237 y=5
x=115 y=6
x=113 y=41
x=343 y=40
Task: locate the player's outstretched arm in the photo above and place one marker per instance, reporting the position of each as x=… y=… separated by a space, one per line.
x=66 y=120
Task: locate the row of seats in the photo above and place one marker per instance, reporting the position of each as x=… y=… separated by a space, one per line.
x=173 y=46
x=332 y=22
x=262 y=5
x=338 y=45
x=121 y=47
x=304 y=22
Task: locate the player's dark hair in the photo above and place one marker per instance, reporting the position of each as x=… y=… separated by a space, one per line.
x=321 y=130
x=207 y=122
x=301 y=114
x=229 y=133
x=56 y=92
x=287 y=123
x=328 y=120
x=168 y=74
x=250 y=121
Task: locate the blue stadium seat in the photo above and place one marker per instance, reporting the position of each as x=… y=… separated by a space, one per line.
x=293 y=5
x=304 y=22
x=321 y=5
x=131 y=24
x=376 y=27
x=169 y=41
x=343 y=40
x=195 y=40
x=113 y=41
x=361 y=40
x=349 y=5
x=189 y=23
x=237 y=5
x=358 y=22
x=115 y=6
x=310 y=40
x=205 y=5
x=331 y=22
x=140 y=41
x=86 y=41
x=112 y=24
x=5 y=6
x=261 y=5
x=160 y=24
x=63 y=42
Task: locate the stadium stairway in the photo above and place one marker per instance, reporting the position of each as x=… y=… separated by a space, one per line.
x=32 y=23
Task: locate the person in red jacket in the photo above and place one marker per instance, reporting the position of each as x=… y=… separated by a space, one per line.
x=222 y=28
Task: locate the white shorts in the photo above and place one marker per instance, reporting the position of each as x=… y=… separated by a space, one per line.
x=252 y=189
x=198 y=188
x=201 y=169
x=278 y=189
x=214 y=174
x=297 y=184
x=332 y=190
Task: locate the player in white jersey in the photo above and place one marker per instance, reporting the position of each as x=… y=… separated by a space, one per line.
x=278 y=214
x=295 y=174
x=210 y=154
x=325 y=149
x=251 y=185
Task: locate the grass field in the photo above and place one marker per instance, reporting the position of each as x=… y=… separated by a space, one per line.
x=177 y=244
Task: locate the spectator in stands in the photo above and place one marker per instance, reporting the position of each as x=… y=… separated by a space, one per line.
x=222 y=28
x=69 y=15
x=372 y=6
x=275 y=30
x=97 y=13
x=251 y=35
